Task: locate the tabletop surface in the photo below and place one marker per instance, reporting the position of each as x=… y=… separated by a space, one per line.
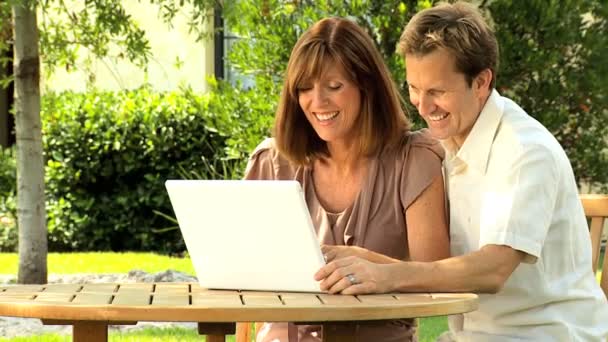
x=188 y=302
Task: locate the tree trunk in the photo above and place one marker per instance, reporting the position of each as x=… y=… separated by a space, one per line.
x=31 y=213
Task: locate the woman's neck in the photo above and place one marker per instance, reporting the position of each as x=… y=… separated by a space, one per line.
x=344 y=158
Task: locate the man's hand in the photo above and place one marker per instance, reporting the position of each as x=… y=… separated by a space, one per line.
x=483 y=271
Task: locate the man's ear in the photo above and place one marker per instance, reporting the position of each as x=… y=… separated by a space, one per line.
x=483 y=80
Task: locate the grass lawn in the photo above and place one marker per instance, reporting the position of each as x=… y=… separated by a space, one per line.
x=145 y=335
x=430 y=329
x=97 y=262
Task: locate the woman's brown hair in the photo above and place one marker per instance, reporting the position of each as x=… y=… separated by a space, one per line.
x=382 y=121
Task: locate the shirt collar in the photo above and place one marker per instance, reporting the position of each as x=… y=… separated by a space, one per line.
x=475 y=151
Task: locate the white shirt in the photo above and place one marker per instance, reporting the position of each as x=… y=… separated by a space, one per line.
x=511 y=184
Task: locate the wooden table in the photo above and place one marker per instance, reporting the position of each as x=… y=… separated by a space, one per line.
x=90 y=308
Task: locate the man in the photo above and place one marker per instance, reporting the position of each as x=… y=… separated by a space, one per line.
x=518 y=231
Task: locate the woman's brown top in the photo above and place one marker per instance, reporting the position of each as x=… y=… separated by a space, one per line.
x=375 y=220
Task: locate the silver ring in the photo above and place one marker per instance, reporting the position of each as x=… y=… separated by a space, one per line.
x=353 y=280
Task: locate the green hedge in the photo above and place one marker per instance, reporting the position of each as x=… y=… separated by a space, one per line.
x=8 y=211
x=553 y=58
x=107 y=158
x=108 y=155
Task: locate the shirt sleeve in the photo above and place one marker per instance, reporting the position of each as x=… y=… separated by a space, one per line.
x=260 y=165
x=517 y=210
x=421 y=167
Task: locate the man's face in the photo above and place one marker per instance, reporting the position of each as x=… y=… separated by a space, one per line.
x=442 y=95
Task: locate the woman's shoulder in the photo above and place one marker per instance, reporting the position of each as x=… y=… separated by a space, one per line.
x=421 y=142
x=267 y=159
x=420 y=164
x=266 y=148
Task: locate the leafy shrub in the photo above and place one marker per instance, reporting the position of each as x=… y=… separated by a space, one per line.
x=8 y=171
x=553 y=64
x=8 y=208
x=553 y=58
x=108 y=154
x=107 y=157
x=243 y=116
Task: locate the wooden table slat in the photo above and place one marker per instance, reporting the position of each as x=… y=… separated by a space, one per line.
x=411 y=295
x=135 y=287
x=339 y=299
x=101 y=287
x=57 y=297
x=260 y=293
x=63 y=288
x=301 y=299
x=386 y=299
x=134 y=298
x=24 y=288
x=227 y=300
x=197 y=289
x=173 y=284
x=217 y=298
x=171 y=288
x=270 y=299
x=92 y=298
x=170 y=299
x=216 y=294
x=418 y=300
x=24 y=295
x=16 y=298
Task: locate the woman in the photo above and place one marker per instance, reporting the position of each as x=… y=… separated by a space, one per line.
x=373 y=188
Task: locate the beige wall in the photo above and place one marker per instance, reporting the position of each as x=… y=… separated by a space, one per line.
x=168 y=45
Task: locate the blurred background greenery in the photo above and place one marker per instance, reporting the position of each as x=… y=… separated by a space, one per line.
x=108 y=153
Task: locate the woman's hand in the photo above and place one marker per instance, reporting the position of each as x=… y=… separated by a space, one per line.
x=353 y=275
x=331 y=252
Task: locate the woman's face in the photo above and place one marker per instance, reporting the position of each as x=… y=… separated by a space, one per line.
x=332 y=105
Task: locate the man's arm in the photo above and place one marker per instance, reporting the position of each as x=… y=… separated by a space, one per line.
x=483 y=271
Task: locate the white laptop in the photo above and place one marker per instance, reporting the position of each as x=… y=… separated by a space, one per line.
x=247 y=234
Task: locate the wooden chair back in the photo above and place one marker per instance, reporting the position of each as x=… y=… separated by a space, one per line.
x=596 y=209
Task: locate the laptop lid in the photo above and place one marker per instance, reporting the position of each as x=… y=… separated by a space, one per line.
x=247 y=234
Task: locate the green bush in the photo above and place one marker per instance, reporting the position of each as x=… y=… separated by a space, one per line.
x=8 y=208
x=553 y=63
x=243 y=116
x=108 y=154
x=107 y=158
x=553 y=58
x=8 y=171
